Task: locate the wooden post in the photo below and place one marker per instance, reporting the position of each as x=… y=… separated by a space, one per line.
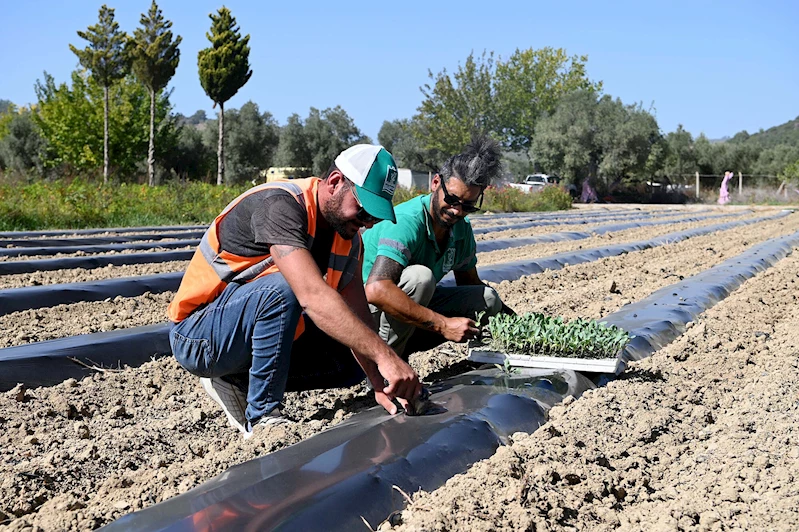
x=740 y=184
x=697 y=185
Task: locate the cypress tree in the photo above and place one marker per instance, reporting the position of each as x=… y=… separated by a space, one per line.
x=224 y=69
x=106 y=61
x=154 y=57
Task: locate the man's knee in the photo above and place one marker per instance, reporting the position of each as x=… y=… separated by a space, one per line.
x=492 y=301
x=419 y=283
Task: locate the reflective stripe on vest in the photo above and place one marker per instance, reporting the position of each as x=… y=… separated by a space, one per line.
x=211 y=268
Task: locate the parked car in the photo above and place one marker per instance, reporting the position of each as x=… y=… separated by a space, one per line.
x=534 y=182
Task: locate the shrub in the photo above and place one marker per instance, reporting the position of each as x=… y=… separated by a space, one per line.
x=402 y=194
x=510 y=199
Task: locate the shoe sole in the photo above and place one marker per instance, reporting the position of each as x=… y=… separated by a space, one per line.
x=268 y=421
x=229 y=399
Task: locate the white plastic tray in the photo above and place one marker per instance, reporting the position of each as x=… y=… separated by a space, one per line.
x=602 y=365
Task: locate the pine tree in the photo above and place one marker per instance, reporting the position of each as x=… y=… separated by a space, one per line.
x=105 y=59
x=224 y=69
x=154 y=57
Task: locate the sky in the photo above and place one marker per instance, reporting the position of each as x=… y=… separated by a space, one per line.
x=715 y=67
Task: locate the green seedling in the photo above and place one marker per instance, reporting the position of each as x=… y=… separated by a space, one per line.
x=540 y=335
x=506 y=368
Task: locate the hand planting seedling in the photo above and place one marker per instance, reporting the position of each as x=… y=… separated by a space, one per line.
x=539 y=335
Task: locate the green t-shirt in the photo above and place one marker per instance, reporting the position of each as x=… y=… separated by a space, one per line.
x=412 y=241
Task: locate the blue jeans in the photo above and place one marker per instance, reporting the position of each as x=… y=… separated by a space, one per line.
x=248 y=333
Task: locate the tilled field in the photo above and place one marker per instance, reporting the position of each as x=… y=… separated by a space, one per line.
x=664 y=446
x=701 y=436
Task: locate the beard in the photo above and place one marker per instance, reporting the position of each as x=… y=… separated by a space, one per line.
x=438 y=213
x=334 y=219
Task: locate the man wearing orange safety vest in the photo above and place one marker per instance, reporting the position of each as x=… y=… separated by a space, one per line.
x=273 y=298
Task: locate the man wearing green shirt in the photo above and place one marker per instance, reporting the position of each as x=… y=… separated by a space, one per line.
x=403 y=262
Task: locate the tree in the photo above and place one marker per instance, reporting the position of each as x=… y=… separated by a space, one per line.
x=105 y=58
x=292 y=148
x=458 y=106
x=565 y=142
x=224 y=69
x=252 y=142
x=191 y=157
x=504 y=98
x=529 y=85
x=22 y=146
x=328 y=133
x=399 y=139
x=315 y=142
x=197 y=118
x=773 y=160
x=7 y=112
x=587 y=138
x=681 y=158
x=790 y=174
x=626 y=135
x=70 y=118
x=705 y=155
x=154 y=56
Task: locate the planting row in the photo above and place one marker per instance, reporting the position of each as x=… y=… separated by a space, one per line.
x=37 y=272
x=137 y=346
x=153 y=434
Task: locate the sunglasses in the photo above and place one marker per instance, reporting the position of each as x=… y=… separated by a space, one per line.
x=362 y=216
x=455 y=201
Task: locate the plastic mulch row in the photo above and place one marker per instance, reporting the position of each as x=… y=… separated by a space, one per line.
x=348 y=473
x=48 y=363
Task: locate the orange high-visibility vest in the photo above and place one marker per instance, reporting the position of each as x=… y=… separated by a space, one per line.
x=212 y=268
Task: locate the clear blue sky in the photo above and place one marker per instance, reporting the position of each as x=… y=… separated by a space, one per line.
x=716 y=67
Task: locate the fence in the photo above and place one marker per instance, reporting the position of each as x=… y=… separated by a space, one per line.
x=702 y=185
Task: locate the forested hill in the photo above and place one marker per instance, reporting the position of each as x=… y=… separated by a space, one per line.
x=787 y=133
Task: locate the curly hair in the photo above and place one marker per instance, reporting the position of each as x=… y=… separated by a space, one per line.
x=478 y=165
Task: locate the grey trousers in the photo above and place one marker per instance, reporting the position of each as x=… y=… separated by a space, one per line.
x=419 y=284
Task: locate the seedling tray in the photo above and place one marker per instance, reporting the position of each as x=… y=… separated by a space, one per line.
x=481 y=353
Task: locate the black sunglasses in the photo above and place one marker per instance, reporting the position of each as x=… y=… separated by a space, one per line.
x=455 y=201
x=362 y=216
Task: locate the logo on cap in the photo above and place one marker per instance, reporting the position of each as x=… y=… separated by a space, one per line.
x=390 y=183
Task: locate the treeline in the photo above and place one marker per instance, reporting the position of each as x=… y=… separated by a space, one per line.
x=552 y=118
x=116 y=116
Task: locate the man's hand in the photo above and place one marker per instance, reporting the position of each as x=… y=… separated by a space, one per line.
x=459 y=329
x=403 y=382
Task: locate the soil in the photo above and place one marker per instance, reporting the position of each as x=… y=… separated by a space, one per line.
x=701 y=436
x=166 y=235
x=80 y=275
x=90 y=254
x=546 y=229
x=713 y=415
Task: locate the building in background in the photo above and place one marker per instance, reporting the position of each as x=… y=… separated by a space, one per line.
x=409 y=179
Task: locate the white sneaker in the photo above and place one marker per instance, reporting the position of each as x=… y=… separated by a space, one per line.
x=231 y=398
x=272 y=419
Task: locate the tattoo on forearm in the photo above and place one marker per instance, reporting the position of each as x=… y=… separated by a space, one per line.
x=282 y=251
x=385 y=269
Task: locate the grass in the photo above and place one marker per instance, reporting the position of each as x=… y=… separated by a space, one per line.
x=80 y=203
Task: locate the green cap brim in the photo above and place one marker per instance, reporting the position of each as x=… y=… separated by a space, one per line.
x=376 y=205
